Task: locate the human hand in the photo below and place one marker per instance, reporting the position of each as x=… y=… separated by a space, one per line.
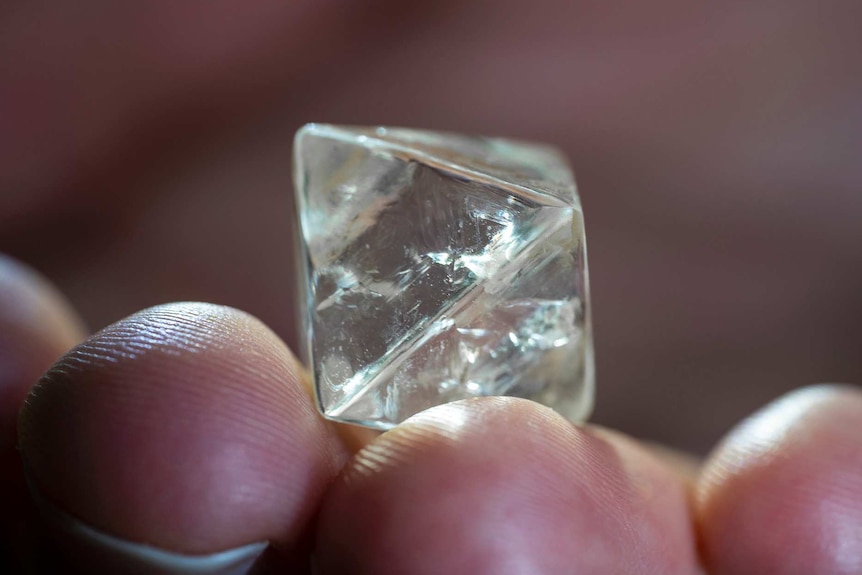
x=144 y=158
x=189 y=428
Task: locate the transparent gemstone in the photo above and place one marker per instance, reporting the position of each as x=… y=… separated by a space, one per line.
x=439 y=267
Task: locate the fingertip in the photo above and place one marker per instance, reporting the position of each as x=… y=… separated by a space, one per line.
x=783 y=492
x=502 y=485
x=37 y=325
x=28 y=300
x=187 y=427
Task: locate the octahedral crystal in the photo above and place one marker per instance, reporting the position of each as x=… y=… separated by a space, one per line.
x=437 y=267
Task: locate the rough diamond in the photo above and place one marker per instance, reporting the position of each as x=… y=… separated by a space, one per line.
x=438 y=267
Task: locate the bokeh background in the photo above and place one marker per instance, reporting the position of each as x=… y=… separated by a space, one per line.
x=145 y=157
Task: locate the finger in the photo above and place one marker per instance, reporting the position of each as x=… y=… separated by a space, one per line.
x=36 y=327
x=500 y=486
x=184 y=427
x=783 y=493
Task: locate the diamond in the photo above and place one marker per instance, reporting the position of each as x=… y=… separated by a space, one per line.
x=438 y=267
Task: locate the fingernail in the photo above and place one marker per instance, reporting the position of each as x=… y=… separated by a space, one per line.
x=95 y=551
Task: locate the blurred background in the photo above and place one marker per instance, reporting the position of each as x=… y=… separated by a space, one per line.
x=145 y=157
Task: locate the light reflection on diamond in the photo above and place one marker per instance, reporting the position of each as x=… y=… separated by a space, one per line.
x=440 y=267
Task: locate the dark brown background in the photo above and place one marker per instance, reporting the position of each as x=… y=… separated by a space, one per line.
x=145 y=157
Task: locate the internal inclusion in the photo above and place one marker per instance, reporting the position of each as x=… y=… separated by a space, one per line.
x=489 y=360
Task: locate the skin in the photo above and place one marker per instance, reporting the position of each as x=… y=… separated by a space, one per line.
x=188 y=426
x=144 y=158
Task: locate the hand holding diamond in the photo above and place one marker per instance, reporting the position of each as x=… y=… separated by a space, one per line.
x=185 y=439
x=145 y=160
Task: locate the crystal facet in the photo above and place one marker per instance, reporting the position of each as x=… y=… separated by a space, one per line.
x=439 y=267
